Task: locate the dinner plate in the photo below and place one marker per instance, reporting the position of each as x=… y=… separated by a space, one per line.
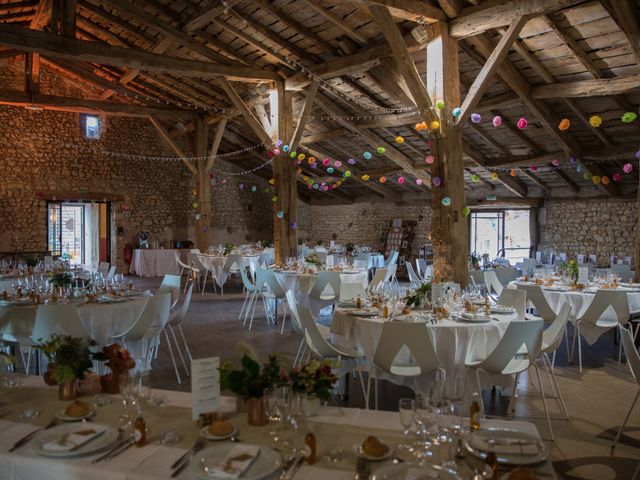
x=357 y=450
x=66 y=418
x=554 y=289
x=364 y=313
x=502 y=309
x=267 y=463
x=508 y=435
x=205 y=433
x=402 y=471
x=99 y=443
x=465 y=317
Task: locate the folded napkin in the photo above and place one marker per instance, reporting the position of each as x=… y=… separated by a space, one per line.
x=70 y=441
x=474 y=316
x=237 y=461
x=309 y=472
x=419 y=474
x=504 y=445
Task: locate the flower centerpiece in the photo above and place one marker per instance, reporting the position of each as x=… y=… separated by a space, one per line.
x=119 y=360
x=251 y=381
x=415 y=298
x=228 y=248
x=350 y=248
x=571 y=268
x=60 y=277
x=312 y=259
x=314 y=381
x=474 y=260
x=266 y=244
x=69 y=359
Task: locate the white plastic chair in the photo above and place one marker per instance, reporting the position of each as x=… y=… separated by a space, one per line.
x=492 y=282
x=273 y=292
x=351 y=291
x=146 y=329
x=111 y=273
x=378 y=280
x=622 y=271
x=511 y=297
x=415 y=280
x=232 y=264
x=175 y=322
x=421 y=268
x=398 y=337
x=596 y=317
x=392 y=259
x=183 y=266
x=250 y=293
x=633 y=359
x=391 y=274
x=296 y=325
x=528 y=266
x=506 y=275
x=170 y=284
x=510 y=358
x=536 y=297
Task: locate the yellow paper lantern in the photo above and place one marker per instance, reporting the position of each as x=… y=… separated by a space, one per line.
x=435 y=125
x=494 y=176
x=399 y=139
x=365 y=177
x=595 y=121
x=272 y=181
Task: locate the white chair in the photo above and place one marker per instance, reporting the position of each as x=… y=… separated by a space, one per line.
x=251 y=292
x=633 y=359
x=535 y=296
x=515 y=353
x=351 y=291
x=415 y=280
x=511 y=297
x=274 y=292
x=183 y=266
x=146 y=329
x=506 y=275
x=391 y=274
x=103 y=268
x=477 y=277
x=551 y=340
x=170 y=284
x=391 y=259
x=111 y=273
x=593 y=259
x=528 y=266
x=378 y=280
x=175 y=322
x=402 y=338
x=492 y=283
x=596 y=317
x=421 y=268
x=581 y=259
x=622 y=271
x=627 y=260
x=296 y=325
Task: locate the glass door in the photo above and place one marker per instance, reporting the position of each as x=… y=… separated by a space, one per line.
x=66 y=231
x=500 y=233
x=487 y=233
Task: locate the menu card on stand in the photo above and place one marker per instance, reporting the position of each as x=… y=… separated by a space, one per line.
x=583 y=275
x=205 y=385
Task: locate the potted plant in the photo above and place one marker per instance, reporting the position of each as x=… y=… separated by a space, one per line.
x=69 y=359
x=228 y=248
x=571 y=268
x=313 y=382
x=313 y=259
x=474 y=259
x=319 y=243
x=416 y=299
x=250 y=382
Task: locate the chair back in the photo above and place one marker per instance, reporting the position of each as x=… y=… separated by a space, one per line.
x=269 y=278
x=506 y=275
x=180 y=263
x=421 y=267
x=393 y=258
x=623 y=271
x=391 y=272
x=593 y=259
x=154 y=314
x=492 y=282
x=254 y=265
x=415 y=280
x=631 y=352
x=52 y=317
x=293 y=308
x=553 y=335
x=415 y=337
x=476 y=277
x=511 y=297
x=580 y=258
x=181 y=314
x=103 y=268
x=351 y=291
x=324 y=281
x=528 y=333
x=528 y=266
x=378 y=279
x=246 y=281
x=536 y=296
x=111 y=273
x=170 y=284
x=315 y=340
x=601 y=303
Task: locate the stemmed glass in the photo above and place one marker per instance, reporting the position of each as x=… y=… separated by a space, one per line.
x=425 y=417
x=406 y=409
x=127 y=386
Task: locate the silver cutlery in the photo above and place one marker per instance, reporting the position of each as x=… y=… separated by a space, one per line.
x=295 y=465
x=199 y=441
x=199 y=445
x=123 y=448
x=104 y=456
x=88 y=441
x=179 y=470
x=24 y=440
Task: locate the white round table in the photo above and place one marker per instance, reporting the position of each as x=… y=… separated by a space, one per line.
x=154 y=263
x=215 y=264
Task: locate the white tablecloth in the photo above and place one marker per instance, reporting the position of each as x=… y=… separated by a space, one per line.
x=579 y=302
x=101 y=320
x=154 y=263
x=456 y=342
x=215 y=265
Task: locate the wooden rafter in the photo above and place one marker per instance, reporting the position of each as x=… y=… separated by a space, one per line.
x=246 y=112
x=215 y=144
x=625 y=14
x=342 y=24
x=587 y=88
x=169 y=142
x=207 y=14
x=307 y=108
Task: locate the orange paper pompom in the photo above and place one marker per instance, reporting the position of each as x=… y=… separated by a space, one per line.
x=565 y=123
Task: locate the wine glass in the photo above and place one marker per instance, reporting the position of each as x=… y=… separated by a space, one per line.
x=406 y=409
x=425 y=418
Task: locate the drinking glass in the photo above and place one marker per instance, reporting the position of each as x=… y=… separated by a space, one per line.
x=406 y=408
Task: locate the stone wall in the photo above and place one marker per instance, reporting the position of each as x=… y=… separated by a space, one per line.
x=602 y=227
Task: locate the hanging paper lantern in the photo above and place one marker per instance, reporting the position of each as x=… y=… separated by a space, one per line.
x=580 y=168
x=293 y=154
x=491 y=198
x=337 y=164
x=271 y=154
x=430 y=159
x=627 y=168
x=383 y=179
x=522 y=123
x=316 y=186
x=298 y=170
x=276 y=151
x=572 y=160
x=534 y=168
x=400 y=180
x=476 y=118
x=326 y=162
x=285 y=149
x=605 y=180
x=595 y=121
x=637 y=154
x=586 y=176
x=314 y=165
x=446 y=201
x=365 y=177
x=617 y=177
x=195 y=204
x=418 y=127
x=439 y=104
x=351 y=161
x=419 y=181
x=514 y=172
x=279 y=143
x=435 y=125
x=497 y=121
x=474 y=178
x=347 y=173
x=494 y=175
x=241 y=186
x=456 y=112
x=313 y=159
x=628 y=117
x=298 y=162
x=379 y=150
x=274 y=198
x=436 y=181
x=399 y=139
x=272 y=181
x=565 y=123
x=224 y=181
x=294 y=225
x=330 y=170
x=197 y=216
x=310 y=160
x=302 y=155
x=254 y=188
x=466 y=211
x=555 y=162
x=325 y=188
x=279 y=214
x=367 y=155
x=596 y=179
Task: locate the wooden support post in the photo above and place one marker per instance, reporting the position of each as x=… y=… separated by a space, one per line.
x=285 y=234
x=203 y=187
x=449 y=229
x=637 y=245
x=68 y=18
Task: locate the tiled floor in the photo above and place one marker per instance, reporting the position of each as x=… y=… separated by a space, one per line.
x=597 y=400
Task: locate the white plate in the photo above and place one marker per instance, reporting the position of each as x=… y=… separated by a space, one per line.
x=268 y=462
x=99 y=443
x=509 y=458
x=364 y=313
x=502 y=309
x=205 y=433
x=66 y=418
x=357 y=450
x=465 y=317
x=401 y=471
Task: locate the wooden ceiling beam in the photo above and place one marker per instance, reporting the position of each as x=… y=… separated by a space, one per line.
x=625 y=14
x=325 y=136
x=215 y=143
x=412 y=10
x=511 y=183
x=486 y=138
x=343 y=25
x=587 y=88
x=60 y=47
x=12 y=7
x=206 y=14
x=246 y=112
x=534 y=178
x=172 y=145
x=307 y=108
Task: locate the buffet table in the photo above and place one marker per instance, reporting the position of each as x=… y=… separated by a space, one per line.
x=154 y=263
x=333 y=427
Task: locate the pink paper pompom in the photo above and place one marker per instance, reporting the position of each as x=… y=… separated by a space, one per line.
x=497 y=121
x=616 y=177
x=430 y=159
x=400 y=180
x=628 y=168
x=522 y=123
x=555 y=162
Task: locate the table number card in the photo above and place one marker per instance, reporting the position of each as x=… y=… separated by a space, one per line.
x=205 y=385
x=583 y=275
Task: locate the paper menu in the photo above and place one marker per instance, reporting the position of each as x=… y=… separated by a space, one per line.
x=205 y=386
